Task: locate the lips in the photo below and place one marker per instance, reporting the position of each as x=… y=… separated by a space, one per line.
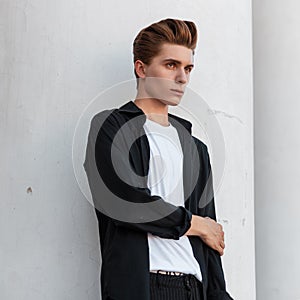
x=179 y=92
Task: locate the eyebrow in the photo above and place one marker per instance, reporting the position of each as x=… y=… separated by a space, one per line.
x=177 y=62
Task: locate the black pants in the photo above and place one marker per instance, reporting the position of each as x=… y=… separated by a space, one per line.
x=175 y=287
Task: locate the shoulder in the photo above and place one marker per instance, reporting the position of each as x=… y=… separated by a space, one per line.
x=200 y=145
x=202 y=151
x=104 y=116
x=117 y=117
x=108 y=121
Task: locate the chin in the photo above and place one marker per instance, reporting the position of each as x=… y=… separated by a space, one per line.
x=172 y=102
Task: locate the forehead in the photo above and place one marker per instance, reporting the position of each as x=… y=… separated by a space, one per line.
x=176 y=52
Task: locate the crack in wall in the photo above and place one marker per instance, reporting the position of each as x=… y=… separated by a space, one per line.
x=215 y=112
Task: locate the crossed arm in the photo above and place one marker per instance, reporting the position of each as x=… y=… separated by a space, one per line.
x=179 y=222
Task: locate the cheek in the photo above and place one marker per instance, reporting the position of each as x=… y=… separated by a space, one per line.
x=158 y=83
x=159 y=71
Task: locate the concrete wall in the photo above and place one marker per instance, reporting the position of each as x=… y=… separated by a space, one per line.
x=55 y=57
x=277 y=147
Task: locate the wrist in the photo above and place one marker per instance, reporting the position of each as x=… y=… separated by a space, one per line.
x=196 y=227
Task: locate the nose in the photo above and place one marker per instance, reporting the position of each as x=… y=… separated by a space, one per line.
x=181 y=76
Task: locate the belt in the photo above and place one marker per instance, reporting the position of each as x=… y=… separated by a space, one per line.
x=173 y=273
x=180 y=283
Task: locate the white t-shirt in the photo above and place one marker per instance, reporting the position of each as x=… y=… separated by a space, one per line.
x=165 y=180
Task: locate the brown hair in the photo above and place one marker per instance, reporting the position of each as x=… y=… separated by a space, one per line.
x=149 y=40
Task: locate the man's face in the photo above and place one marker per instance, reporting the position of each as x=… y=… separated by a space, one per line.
x=168 y=74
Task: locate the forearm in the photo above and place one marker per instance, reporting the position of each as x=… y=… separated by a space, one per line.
x=119 y=193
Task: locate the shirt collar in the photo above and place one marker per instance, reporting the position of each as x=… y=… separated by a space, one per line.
x=131 y=108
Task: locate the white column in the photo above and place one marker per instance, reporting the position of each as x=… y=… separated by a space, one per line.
x=277 y=147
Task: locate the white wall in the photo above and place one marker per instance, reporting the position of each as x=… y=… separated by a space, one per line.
x=55 y=57
x=277 y=147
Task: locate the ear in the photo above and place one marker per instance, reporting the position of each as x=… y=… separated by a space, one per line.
x=139 y=67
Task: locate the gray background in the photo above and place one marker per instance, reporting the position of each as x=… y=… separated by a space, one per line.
x=57 y=56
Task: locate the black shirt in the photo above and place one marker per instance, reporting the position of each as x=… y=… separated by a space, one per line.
x=117 y=164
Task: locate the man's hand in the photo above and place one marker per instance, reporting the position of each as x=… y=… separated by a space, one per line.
x=209 y=231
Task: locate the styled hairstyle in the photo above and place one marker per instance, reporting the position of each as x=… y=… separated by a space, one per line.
x=149 y=40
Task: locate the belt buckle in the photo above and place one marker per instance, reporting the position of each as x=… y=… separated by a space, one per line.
x=172 y=273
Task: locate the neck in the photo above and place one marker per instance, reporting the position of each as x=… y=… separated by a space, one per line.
x=154 y=109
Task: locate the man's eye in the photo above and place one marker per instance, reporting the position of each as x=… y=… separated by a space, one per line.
x=171 y=65
x=188 y=70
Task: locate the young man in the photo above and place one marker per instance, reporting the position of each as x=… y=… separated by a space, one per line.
x=151 y=182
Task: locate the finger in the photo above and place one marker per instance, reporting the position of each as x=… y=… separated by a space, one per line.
x=222 y=245
x=221 y=251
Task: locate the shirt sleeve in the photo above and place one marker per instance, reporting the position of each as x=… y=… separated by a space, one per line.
x=120 y=192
